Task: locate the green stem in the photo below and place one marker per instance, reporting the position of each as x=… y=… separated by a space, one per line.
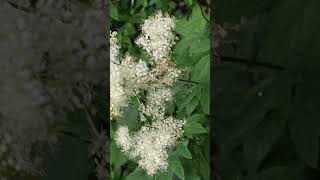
x=252 y=63
x=188 y=81
x=204 y=16
x=90 y=120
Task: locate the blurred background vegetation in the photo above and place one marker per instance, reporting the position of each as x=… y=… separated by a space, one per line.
x=266 y=90
x=53 y=89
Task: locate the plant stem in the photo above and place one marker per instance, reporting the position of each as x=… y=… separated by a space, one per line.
x=252 y=63
x=90 y=120
x=205 y=17
x=188 y=81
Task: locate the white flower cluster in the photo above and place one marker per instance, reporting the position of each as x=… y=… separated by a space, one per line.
x=148 y=146
x=156 y=100
x=128 y=76
x=136 y=74
x=157 y=36
x=167 y=73
x=118 y=97
x=123 y=139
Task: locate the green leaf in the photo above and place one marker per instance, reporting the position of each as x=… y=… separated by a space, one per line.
x=191 y=94
x=201 y=72
x=193 y=104
x=277 y=173
x=196 y=118
x=189 y=2
x=170 y=108
x=127 y=30
x=114 y=12
x=304 y=122
x=194 y=128
x=177 y=167
x=191 y=48
x=205 y=100
x=131 y=117
x=190 y=170
x=71 y=160
x=238 y=133
x=200 y=44
x=152 y=2
x=204 y=167
x=183 y=151
x=231 y=11
x=261 y=139
x=138 y=174
x=181 y=53
x=116 y=156
x=196 y=23
x=142 y=3
x=74 y=123
x=167 y=175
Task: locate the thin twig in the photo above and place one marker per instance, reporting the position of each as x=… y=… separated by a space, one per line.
x=252 y=63
x=90 y=120
x=188 y=81
x=204 y=15
x=89 y=117
x=16 y=6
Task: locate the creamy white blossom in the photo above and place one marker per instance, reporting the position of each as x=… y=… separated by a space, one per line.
x=157 y=36
x=123 y=138
x=136 y=75
x=114 y=47
x=118 y=97
x=166 y=72
x=150 y=145
x=129 y=75
x=155 y=105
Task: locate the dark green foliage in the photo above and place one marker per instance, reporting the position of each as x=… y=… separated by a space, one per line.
x=266 y=91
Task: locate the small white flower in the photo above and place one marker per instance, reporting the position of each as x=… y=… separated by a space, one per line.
x=167 y=72
x=155 y=105
x=118 y=96
x=149 y=146
x=136 y=74
x=157 y=36
x=114 y=47
x=123 y=138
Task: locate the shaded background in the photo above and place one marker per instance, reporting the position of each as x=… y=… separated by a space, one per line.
x=265 y=94
x=53 y=83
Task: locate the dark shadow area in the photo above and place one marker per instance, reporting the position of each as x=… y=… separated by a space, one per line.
x=53 y=90
x=265 y=90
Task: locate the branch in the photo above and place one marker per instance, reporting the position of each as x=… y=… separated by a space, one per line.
x=90 y=119
x=205 y=17
x=16 y=6
x=252 y=63
x=188 y=81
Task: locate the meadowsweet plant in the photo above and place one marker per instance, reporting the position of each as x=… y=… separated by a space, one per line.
x=157 y=37
x=159 y=90
x=130 y=77
x=150 y=144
